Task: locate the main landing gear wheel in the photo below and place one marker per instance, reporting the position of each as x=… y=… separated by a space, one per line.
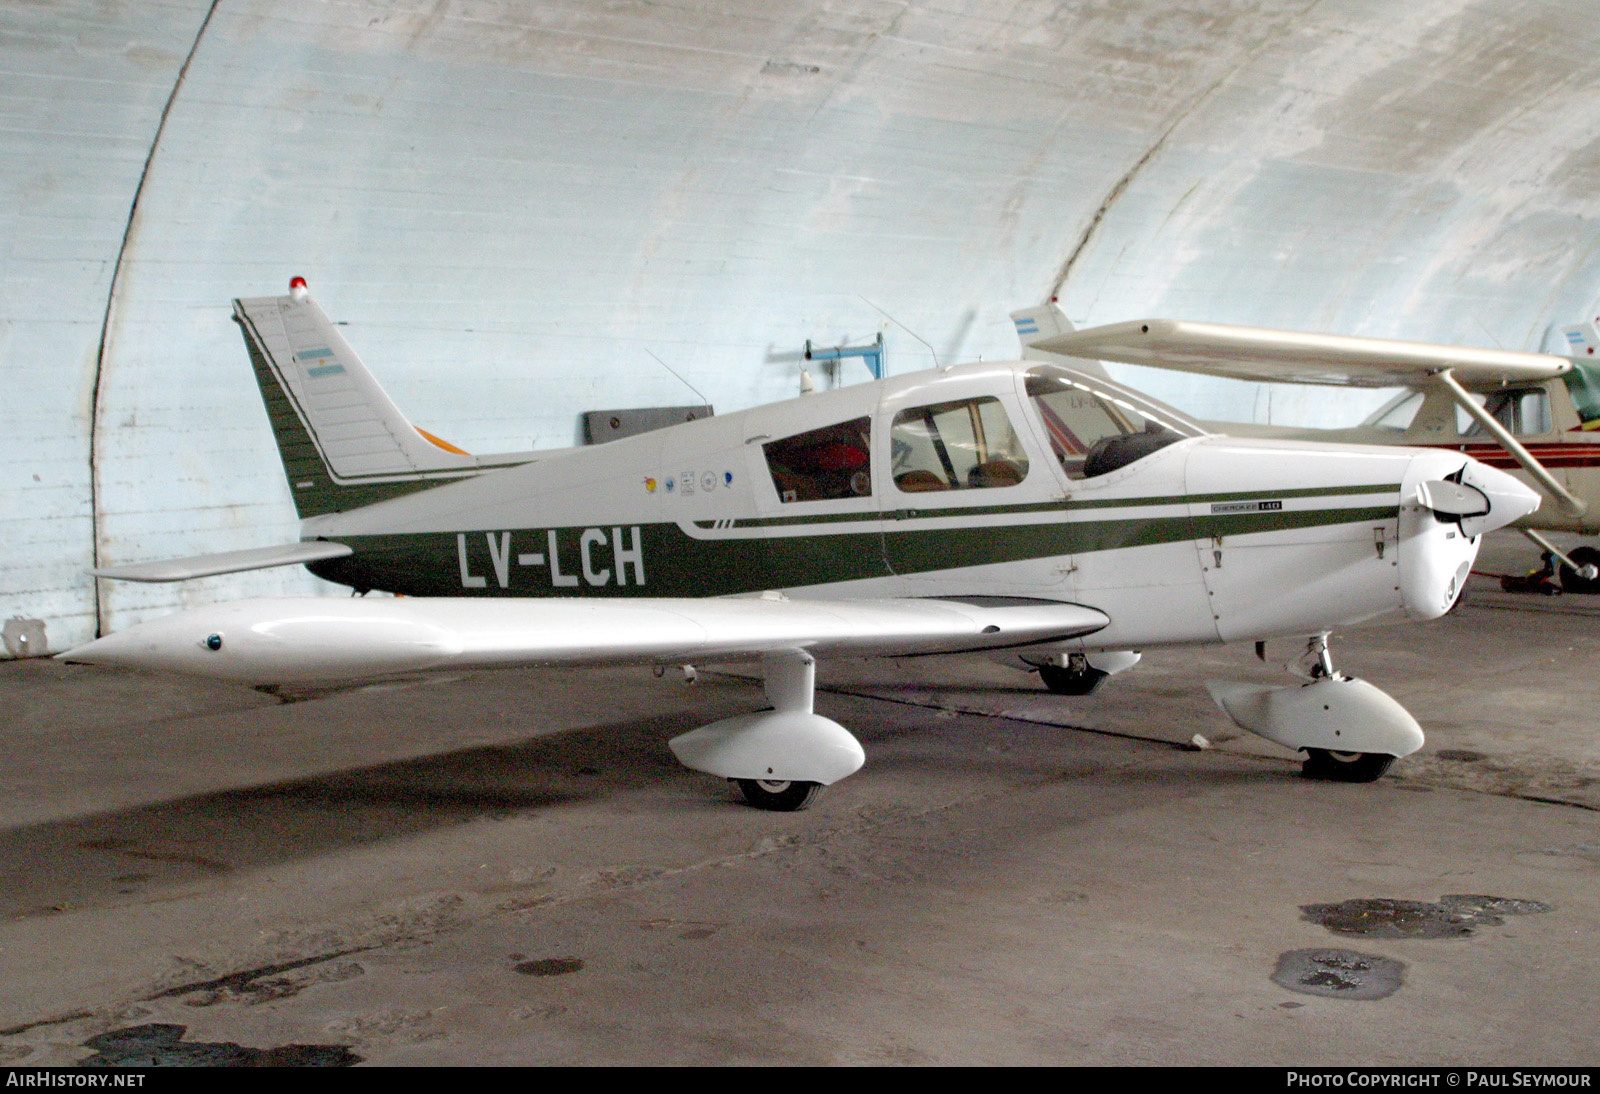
x=778 y=795
x=1345 y=767
x=1570 y=581
x=1068 y=681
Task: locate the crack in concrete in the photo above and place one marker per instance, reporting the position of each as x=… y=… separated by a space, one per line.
x=105 y=320
x=1121 y=185
x=240 y=981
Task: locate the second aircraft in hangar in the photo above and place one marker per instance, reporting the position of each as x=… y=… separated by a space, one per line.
x=1534 y=414
x=1024 y=506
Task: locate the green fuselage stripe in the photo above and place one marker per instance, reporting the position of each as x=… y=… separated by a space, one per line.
x=674 y=563
x=1063 y=505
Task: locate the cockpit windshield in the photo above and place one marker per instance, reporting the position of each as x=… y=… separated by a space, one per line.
x=1096 y=425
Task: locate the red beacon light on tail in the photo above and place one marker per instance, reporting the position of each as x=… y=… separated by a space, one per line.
x=297 y=287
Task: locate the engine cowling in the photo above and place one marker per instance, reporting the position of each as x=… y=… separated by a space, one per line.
x=1447 y=502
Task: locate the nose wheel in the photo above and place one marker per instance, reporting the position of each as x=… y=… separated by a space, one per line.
x=1344 y=767
x=778 y=795
x=1582 y=578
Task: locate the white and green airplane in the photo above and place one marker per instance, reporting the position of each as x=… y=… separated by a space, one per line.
x=1026 y=507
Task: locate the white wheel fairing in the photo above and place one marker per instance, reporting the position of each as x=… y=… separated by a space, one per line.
x=1333 y=714
x=772 y=747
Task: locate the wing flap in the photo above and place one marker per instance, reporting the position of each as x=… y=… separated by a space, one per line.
x=227 y=562
x=321 y=640
x=1257 y=353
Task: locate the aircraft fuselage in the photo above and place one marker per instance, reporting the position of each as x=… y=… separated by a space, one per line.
x=1205 y=539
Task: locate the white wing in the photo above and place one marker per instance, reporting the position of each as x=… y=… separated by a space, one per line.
x=1256 y=353
x=321 y=640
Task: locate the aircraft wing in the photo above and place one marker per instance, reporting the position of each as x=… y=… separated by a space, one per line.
x=226 y=562
x=1257 y=353
x=325 y=640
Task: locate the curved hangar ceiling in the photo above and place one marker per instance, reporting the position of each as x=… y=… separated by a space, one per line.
x=518 y=208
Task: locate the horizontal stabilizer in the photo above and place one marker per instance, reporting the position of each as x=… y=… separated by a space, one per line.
x=323 y=640
x=228 y=562
x=1256 y=353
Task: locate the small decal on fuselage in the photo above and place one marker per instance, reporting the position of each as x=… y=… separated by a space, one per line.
x=1245 y=506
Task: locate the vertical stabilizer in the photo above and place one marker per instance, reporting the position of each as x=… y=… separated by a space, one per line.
x=1579 y=340
x=343 y=441
x=1037 y=324
x=1034 y=325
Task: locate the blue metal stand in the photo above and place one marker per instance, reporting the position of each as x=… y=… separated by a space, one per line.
x=871 y=355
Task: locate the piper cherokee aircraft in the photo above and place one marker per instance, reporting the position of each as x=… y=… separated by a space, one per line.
x=1533 y=414
x=1021 y=506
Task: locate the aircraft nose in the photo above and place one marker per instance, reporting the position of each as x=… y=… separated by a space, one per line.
x=1475 y=495
x=1509 y=499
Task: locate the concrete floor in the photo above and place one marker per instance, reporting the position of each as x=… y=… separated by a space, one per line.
x=509 y=867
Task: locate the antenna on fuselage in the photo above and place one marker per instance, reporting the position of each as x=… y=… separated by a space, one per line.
x=680 y=379
x=905 y=328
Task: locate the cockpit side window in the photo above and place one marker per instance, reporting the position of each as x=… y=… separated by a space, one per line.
x=822 y=464
x=968 y=444
x=1096 y=429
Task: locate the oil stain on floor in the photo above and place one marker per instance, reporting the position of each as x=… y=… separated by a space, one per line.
x=549 y=966
x=161 y=1044
x=1456 y=916
x=1339 y=974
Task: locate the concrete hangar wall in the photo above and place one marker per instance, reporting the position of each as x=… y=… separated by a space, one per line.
x=517 y=207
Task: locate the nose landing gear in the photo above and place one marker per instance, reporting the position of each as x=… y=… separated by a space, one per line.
x=1333 y=765
x=1349 y=730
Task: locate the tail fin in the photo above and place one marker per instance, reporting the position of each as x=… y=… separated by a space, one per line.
x=1580 y=340
x=1034 y=325
x=343 y=441
x=1037 y=324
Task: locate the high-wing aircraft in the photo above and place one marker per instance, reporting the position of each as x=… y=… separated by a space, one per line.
x=1534 y=414
x=1024 y=506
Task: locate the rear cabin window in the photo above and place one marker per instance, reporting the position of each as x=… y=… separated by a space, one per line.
x=968 y=444
x=1525 y=412
x=1093 y=432
x=1398 y=413
x=822 y=464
